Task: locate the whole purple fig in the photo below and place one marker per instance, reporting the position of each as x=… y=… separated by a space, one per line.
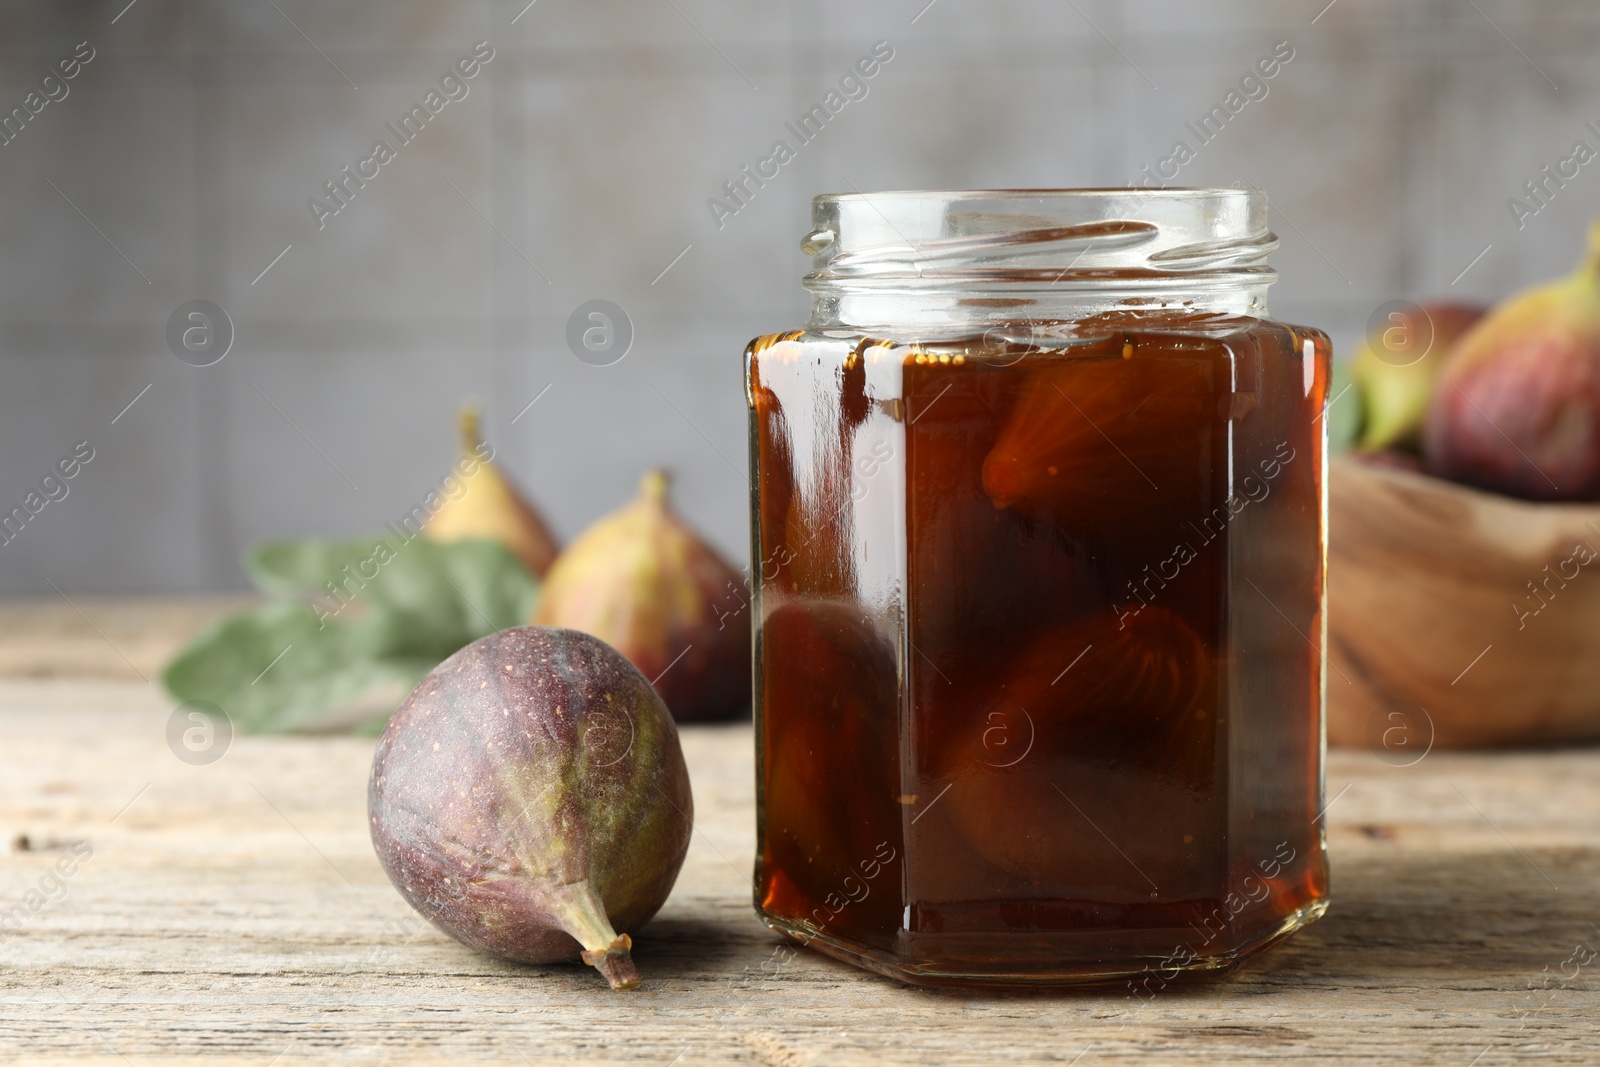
x=530 y=797
x=1517 y=408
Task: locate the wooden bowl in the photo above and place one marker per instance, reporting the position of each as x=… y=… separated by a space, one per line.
x=1477 y=609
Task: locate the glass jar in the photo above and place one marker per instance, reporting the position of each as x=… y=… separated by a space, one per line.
x=1040 y=518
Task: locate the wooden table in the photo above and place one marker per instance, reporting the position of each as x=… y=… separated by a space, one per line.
x=236 y=910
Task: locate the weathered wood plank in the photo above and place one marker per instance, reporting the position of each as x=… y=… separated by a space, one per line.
x=103 y=636
x=236 y=910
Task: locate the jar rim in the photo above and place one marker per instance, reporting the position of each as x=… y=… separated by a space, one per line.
x=878 y=256
x=1179 y=191
x=1074 y=236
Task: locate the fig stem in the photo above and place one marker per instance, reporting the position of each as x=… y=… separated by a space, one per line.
x=653 y=486
x=582 y=915
x=615 y=963
x=467 y=422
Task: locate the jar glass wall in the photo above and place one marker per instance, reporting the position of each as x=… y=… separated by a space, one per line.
x=1039 y=519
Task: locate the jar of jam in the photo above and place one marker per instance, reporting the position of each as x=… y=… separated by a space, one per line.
x=1040 y=522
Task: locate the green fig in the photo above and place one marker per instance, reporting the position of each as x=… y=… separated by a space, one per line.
x=1396 y=367
x=489 y=506
x=529 y=798
x=642 y=581
x=1517 y=409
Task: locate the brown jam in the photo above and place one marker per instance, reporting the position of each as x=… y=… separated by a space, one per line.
x=1039 y=650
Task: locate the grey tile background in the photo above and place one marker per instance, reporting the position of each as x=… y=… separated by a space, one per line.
x=589 y=144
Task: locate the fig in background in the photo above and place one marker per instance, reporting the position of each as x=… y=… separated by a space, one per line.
x=1517 y=410
x=490 y=508
x=1396 y=368
x=642 y=581
x=529 y=798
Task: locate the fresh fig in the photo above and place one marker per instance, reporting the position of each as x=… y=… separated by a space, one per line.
x=489 y=505
x=530 y=797
x=1396 y=368
x=642 y=581
x=1517 y=409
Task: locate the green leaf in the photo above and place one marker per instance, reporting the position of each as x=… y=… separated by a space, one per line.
x=275 y=667
x=361 y=621
x=432 y=598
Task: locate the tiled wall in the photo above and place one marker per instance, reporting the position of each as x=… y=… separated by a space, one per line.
x=578 y=166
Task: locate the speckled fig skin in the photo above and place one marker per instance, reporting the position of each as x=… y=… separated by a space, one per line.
x=529 y=794
x=643 y=581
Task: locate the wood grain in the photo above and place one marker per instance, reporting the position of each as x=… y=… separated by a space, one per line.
x=236 y=910
x=102 y=636
x=1429 y=607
